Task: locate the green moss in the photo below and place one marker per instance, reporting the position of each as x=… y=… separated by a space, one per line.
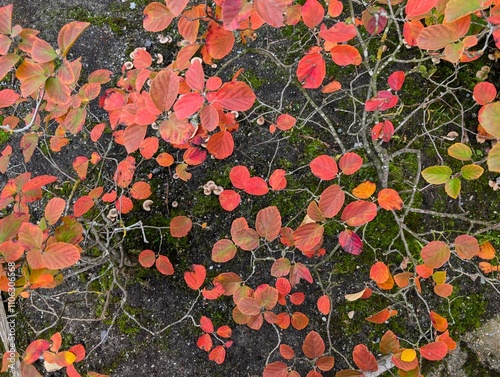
x=117 y=25
x=252 y=79
x=467 y=312
x=4 y=137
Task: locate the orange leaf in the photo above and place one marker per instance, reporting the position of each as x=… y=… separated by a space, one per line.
x=60 y=255
x=379 y=272
x=404 y=365
x=206 y=324
x=403 y=279
x=125 y=172
x=364 y=359
x=35 y=350
x=364 y=190
x=308 y=236
x=324 y=304
x=56 y=341
x=68 y=35
x=97 y=131
x=195 y=279
x=247 y=239
x=147 y=258
x=224 y=331
x=164 y=265
x=287 y=352
x=235 y=96
x=486 y=251
x=345 y=55
x=229 y=200
x=466 y=246
x=180 y=226
x=277 y=180
x=334 y=85
x=249 y=306
x=382 y=316
x=221 y=145
x=445 y=337
x=325 y=363
x=165 y=159
x=438 y=322
x=435 y=254
x=140 y=190
x=350 y=163
x=219 y=41
x=268 y=223
x=157 y=17
x=285 y=122
x=148 y=147
x=276 y=369
x=313 y=345
x=389 y=199
x=434 y=351
x=164 y=88
x=359 y=213
x=443 y=290
x=256 y=186
x=299 y=320
x=54 y=210
x=324 y=167
x=281 y=267
x=389 y=343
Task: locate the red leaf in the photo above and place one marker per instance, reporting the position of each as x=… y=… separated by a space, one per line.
x=218 y=354
x=6 y=19
x=324 y=364
x=364 y=359
x=164 y=265
x=60 y=255
x=188 y=104
x=271 y=11
x=379 y=272
x=68 y=35
x=236 y=96
x=434 y=351
x=384 y=100
x=389 y=199
x=383 y=130
x=331 y=201
x=82 y=205
x=277 y=180
x=311 y=70
x=308 y=236
x=313 y=345
x=285 y=122
x=299 y=271
x=287 y=352
x=411 y=30
x=176 y=131
x=338 y=33
x=297 y=298
x=164 y=89
x=396 y=80
x=416 y=9
x=81 y=164
x=195 y=279
x=8 y=97
x=125 y=172
x=312 y=13
x=223 y=250
x=204 y=342
x=350 y=163
x=229 y=200
x=466 y=246
x=142 y=59
x=224 y=331
x=256 y=186
x=324 y=167
x=324 y=304
x=268 y=223
x=239 y=176
x=283 y=286
x=276 y=369
x=484 y=92
x=195 y=77
x=209 y=117
x=147 y=258
x=344 y=55
x=221 y=145
x=359 y=213
x=157 y=17
x=97 y=131
x=389 y=343
x=54 y=209
x=35 y=350
x=350 y=242
x=435 y=254
x=180 y=226
x=206 y=325
x=219 y=41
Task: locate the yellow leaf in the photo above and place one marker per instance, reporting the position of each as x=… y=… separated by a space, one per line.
x=408 y=355
x=364 y=190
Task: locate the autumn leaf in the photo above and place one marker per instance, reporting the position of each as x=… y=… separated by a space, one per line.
x=313 y=345
x=195 y=279
x=364 y=359
x=180 y=226
x=311 y=70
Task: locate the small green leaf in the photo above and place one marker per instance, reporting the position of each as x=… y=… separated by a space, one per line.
x=437 y=175
x=494 y=158
x=452 y=187
x=471 y=172
x=460 y=151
